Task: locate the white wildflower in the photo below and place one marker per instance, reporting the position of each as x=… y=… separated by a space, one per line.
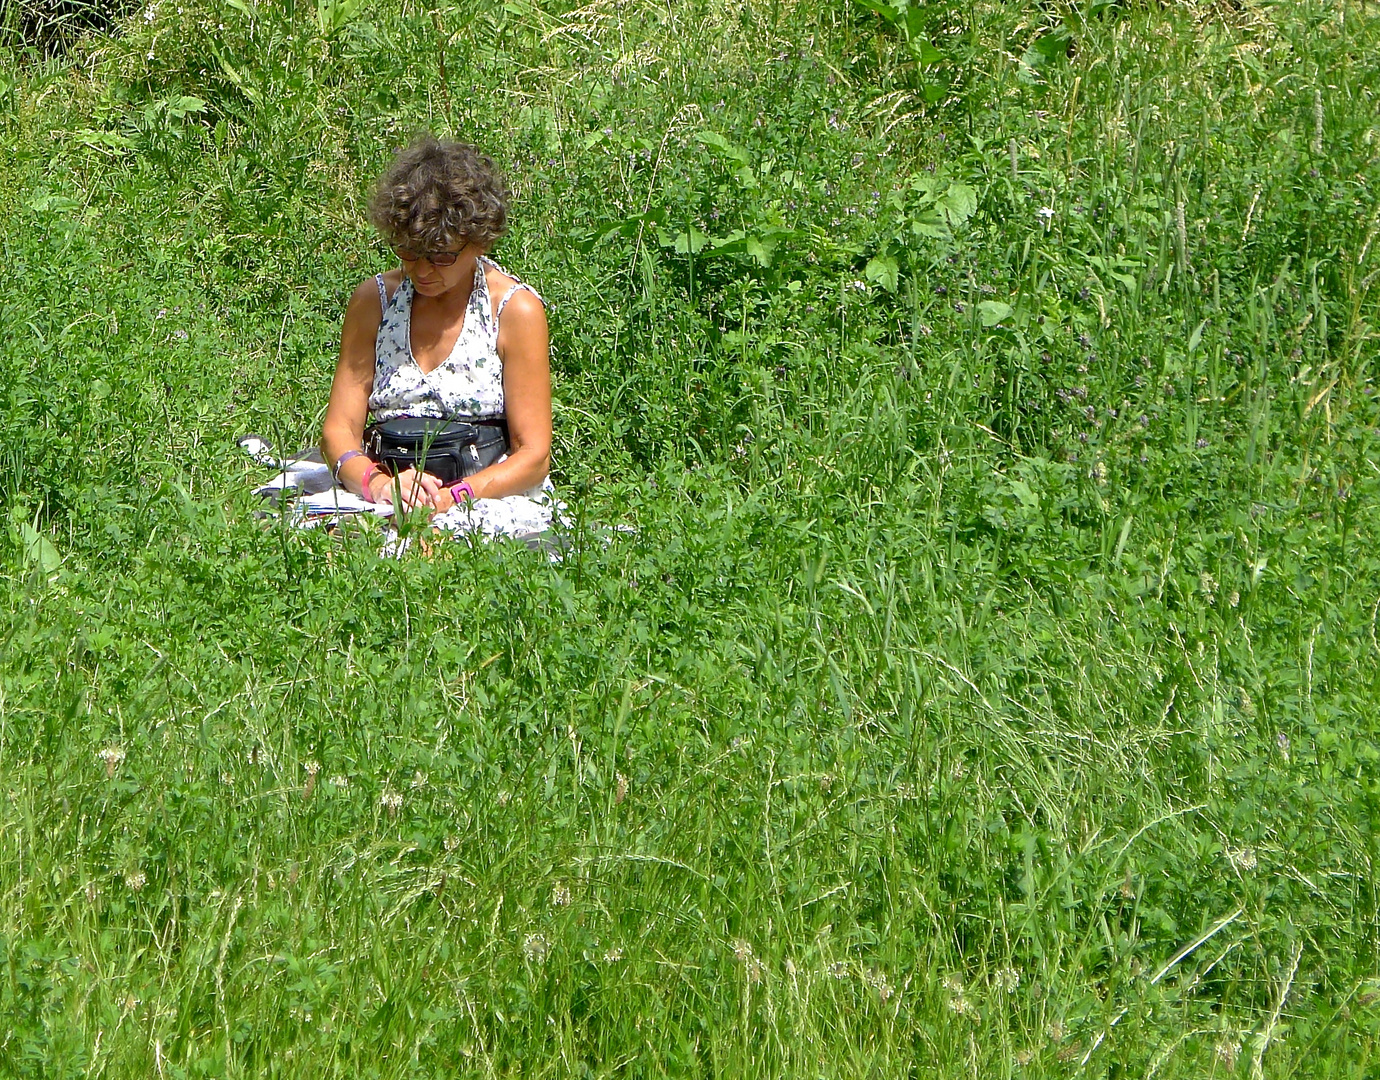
x=113 y=756
x=135 y=880
x=962 y=1006
x=876 y=978
x=560 y=895
x=535 y=947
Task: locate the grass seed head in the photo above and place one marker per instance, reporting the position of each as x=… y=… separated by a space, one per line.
x=391 y=801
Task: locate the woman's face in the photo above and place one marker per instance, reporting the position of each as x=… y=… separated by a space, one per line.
x=433 y=280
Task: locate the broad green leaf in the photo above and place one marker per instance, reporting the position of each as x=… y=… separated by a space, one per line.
x=39 y=552
x=992 y=312
x=914 y=22
x=691 y=242
x=1044 y=51
x=1022 y=491
x=885 y=10
x=44 y=203
x=1197 y=336
x=723 y=147
x=959 y=203
x=923 y=51
x=761 y=249
x=1047 y=48
x=628 y=226
x=884 y=271
x=332 y=15
x=930 y=225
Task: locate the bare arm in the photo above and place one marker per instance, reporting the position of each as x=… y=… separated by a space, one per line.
x=348 y=408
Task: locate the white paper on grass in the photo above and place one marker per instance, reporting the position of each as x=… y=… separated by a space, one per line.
x=308 y=477
x=340 y=501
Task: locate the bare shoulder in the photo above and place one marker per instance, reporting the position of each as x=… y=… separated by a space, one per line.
x=524 y=308
x=364 y=303
x=498 y=280
x=501 y=283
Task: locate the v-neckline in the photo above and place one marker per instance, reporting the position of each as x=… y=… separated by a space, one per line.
x=480 y=285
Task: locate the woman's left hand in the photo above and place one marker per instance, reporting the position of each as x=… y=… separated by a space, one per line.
x=416 y=489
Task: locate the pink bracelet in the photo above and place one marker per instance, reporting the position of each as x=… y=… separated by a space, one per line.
x=368 y=475
x=463 y=486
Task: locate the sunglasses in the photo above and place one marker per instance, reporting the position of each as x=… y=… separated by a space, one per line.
x=436 y=258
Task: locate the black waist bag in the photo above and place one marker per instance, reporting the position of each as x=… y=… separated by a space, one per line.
x=448 y=449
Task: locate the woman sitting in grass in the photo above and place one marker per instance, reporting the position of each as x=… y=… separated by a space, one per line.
x=447 y=336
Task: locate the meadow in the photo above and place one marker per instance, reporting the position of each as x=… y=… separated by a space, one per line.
x=965 y=658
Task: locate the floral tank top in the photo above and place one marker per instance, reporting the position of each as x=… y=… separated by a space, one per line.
x=468 y=384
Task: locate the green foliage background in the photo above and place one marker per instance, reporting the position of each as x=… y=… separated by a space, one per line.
x=986 y=683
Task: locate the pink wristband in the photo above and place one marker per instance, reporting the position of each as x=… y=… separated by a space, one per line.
x=368 y=475
x=463 y=486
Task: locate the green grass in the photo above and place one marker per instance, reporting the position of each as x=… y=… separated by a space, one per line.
x=988 y=685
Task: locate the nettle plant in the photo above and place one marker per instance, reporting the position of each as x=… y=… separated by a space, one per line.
x=930 y=207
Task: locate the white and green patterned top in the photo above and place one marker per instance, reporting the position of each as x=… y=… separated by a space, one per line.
x=467 y=385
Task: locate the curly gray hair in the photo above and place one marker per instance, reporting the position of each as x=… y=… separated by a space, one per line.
x=437 y=193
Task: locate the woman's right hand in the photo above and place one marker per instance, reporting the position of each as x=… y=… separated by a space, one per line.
x=415 y=488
